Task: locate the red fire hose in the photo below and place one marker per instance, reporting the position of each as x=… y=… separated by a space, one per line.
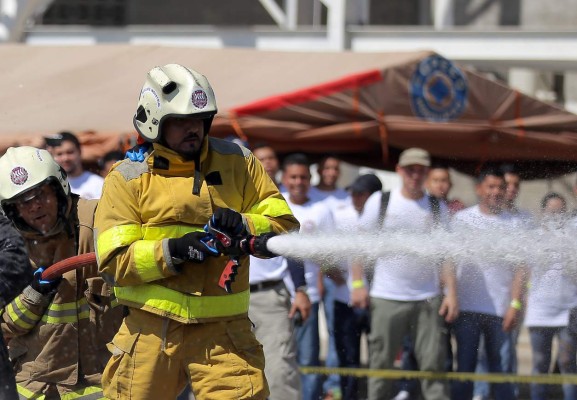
x=68 y=264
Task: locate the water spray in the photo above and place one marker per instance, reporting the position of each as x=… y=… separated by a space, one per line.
x=537 y=247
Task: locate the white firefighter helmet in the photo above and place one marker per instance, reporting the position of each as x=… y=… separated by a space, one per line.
x=173 y=91
x=23 y=168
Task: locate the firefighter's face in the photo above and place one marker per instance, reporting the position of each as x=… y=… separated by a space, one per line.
x=183 y=135
x=38 y=207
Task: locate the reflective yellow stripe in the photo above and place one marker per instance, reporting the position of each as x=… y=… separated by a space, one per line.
x=68 y=306
x=70 y=319
x=24 y=394
x=16 y=318
x=183 y=306
x=116 y=237
x=87 y=393
x=145 y=261
x=261 y=224
x=22 y=316
x=25 y=310
x=167 y=231
x=66 y=313
x=125 y=235
x=144 y=239
x=271 y=207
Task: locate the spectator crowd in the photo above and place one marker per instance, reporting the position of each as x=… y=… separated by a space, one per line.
x=457 y=316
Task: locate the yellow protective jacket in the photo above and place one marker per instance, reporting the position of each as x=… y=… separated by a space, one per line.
x=144 y=204
x=62 y=340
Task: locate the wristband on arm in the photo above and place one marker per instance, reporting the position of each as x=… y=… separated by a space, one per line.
x=516 y=304
x=358 y=283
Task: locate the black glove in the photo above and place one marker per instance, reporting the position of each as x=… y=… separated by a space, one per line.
x=45 y=288
x=257 y=246
x=228 y=222
x=192 y=247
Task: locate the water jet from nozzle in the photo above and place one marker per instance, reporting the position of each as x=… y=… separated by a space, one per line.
x=537 y=248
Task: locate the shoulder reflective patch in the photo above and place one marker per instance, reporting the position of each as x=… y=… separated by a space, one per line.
x=227 y=147
x=132 y=169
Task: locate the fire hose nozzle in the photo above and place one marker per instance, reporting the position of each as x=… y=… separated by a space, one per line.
x=250 y=245
x=257 y=245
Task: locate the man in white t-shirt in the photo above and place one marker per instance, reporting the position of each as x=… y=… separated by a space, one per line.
x=314 y=217
x=406 y=294
x=523 y=219
x=66 y=150
x=490 y=290
x=551 y=296
x=271 y=310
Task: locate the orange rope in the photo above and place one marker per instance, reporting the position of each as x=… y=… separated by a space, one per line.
x=384 y=134
x=236 y=127
x=355 y=106
x=518 y=118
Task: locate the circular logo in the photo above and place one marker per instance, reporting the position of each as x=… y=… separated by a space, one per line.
x=199 y=98
x=19 y=176
x=438 y=90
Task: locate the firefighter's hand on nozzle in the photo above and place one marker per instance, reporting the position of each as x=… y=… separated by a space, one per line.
x=44 y=287
x=229 y=222
x=193 y=247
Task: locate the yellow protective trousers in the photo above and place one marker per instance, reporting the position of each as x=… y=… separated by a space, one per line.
x=155 y=357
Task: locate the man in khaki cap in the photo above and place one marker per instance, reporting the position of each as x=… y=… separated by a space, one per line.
x=414 y=156
x=406 y=294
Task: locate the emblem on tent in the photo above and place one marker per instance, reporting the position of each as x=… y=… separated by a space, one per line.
x=438 y=90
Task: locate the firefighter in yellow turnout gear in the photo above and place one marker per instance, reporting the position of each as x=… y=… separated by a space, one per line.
x=56 y=331
x=182 y=327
